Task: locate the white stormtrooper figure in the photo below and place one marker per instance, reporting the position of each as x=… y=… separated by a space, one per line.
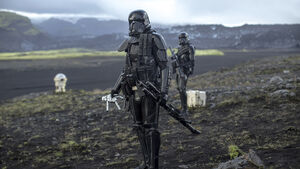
x=60 y=81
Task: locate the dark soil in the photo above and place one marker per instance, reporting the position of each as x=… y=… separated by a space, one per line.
x=246 y=107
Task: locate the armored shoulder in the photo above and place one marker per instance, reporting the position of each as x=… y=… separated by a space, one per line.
x=192 y=49
x=124 y=45
x=159 y=41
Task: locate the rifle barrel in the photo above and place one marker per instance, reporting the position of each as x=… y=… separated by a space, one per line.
x=148 y=89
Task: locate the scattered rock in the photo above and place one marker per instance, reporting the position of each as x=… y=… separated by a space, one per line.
x=294 y=80
x=276 y=80
x=54 y=141
x=212 y=105
x=289 y=86
x=282 y=93
x=238 y=162
x=246 y=161
x=286 y=71
x=183 y=166
x=253 y=158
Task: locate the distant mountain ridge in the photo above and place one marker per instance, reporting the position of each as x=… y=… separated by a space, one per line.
x=18 y=34
x=242 y=37
x=88 y=27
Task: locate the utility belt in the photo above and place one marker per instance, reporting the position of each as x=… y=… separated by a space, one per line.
x=142 y=73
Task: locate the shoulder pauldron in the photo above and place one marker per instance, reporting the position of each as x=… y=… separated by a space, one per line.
x=123 y=46
x=159 y=41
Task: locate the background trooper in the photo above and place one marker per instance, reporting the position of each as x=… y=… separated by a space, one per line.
x=146 y=60
x=184 y=68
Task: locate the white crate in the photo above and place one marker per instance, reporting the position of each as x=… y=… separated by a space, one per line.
x=196 y=98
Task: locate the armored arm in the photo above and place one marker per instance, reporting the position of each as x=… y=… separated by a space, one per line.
x=174 y=61
x=192 y=58
x=161 y=57
x=117 y=87
x=165 y=83
x=123 y=46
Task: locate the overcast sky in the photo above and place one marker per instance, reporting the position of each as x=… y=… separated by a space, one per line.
x=227 y=12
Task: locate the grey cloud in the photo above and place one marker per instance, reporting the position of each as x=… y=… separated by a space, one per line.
x=52 y=6
x=188 y=11
x=268 y=10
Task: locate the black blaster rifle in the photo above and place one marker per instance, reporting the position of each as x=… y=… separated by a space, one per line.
x=149 y=89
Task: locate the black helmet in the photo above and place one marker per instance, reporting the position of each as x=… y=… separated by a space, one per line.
x=183 y=35
x=138 y=22
x=183 y=38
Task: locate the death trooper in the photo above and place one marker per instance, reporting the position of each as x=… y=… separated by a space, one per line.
x=146 y=60
x=184 y=68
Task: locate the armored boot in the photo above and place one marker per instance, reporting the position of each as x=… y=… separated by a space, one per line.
x=142 y=139
x=183 y=99
x=184 y=111
x=153 y=142
x=142 y=166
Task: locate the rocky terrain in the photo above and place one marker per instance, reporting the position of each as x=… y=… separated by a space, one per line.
x=254 y=105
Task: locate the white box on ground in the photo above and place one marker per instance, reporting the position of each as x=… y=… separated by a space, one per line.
x=196 y=98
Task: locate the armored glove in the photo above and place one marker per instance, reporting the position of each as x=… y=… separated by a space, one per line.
x=113 y=93
x=191 y=71
x=164 y=97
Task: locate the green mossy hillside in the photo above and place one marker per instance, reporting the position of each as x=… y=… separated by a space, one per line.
x=13 y=22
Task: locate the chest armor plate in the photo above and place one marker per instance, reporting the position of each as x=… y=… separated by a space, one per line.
x=183 y=54
x=134 y=52
x=141 y=60
x=140 y=51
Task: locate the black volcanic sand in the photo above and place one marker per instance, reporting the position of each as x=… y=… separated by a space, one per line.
x=26 y=76
x=247 y=107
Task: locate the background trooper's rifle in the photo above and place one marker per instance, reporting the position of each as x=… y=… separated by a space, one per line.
x=175 y=63
x=149 y=89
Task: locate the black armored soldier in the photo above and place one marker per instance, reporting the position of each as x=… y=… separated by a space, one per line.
x=183 y=66
x=146 y=61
